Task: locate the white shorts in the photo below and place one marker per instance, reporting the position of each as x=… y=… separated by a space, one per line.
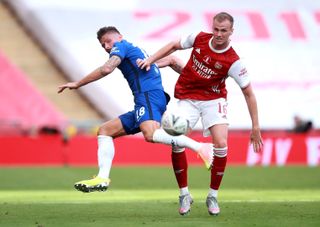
x=211 y=112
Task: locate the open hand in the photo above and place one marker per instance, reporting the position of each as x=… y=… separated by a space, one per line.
x=143 y=63
x=70 y=85
x=256 y=140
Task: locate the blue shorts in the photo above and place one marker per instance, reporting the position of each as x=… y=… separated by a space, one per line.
x=148 y=106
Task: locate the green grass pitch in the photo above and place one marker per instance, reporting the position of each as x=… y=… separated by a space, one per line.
x=148 y=196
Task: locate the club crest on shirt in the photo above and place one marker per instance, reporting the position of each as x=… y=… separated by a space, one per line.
x=218 y=65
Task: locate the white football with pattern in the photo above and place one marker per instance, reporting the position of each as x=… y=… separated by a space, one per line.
x=174 y=125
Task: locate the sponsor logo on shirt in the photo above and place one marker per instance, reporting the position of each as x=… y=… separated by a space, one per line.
x=202 y=70
x=198 y=50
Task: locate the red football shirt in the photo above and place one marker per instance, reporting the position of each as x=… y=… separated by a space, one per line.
x=203 y=77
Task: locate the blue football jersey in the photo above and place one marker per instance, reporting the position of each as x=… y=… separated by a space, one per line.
x=138 y=79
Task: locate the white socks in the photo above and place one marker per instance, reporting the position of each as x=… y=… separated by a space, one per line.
x=106 y=148
x=105 y=155
x=213 y=193
x=184 y=191
x=160 y=136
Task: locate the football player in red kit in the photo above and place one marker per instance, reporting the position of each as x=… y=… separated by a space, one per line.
x=202 y=94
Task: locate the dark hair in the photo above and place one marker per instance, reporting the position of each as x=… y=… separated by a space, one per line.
x=110 y=29
x=223 y=16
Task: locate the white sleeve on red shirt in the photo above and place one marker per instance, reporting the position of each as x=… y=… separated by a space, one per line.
x=239 y=73
x=188 y=41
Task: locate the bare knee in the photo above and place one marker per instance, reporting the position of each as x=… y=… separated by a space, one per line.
x=102 y=130
x=148 y=128
x=112 y=128
x=220 y=143
x=221 y=149
x=148 y=137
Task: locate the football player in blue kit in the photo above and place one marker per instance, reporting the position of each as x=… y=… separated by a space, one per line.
x=150 y=102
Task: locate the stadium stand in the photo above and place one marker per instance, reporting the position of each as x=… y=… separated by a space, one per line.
x=19 y=47
x=22 y=106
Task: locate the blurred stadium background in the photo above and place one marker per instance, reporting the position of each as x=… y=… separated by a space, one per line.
x=46 y=43
x=48 y=141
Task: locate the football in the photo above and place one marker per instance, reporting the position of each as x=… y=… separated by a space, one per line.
x=174 y=125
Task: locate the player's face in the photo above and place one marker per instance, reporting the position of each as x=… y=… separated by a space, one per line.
x=221 y=33
x=108 y=39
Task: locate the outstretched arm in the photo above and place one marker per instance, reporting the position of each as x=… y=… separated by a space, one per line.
x=255 y=136
x=174 y=62
x=97 y=74
x=163 y=52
